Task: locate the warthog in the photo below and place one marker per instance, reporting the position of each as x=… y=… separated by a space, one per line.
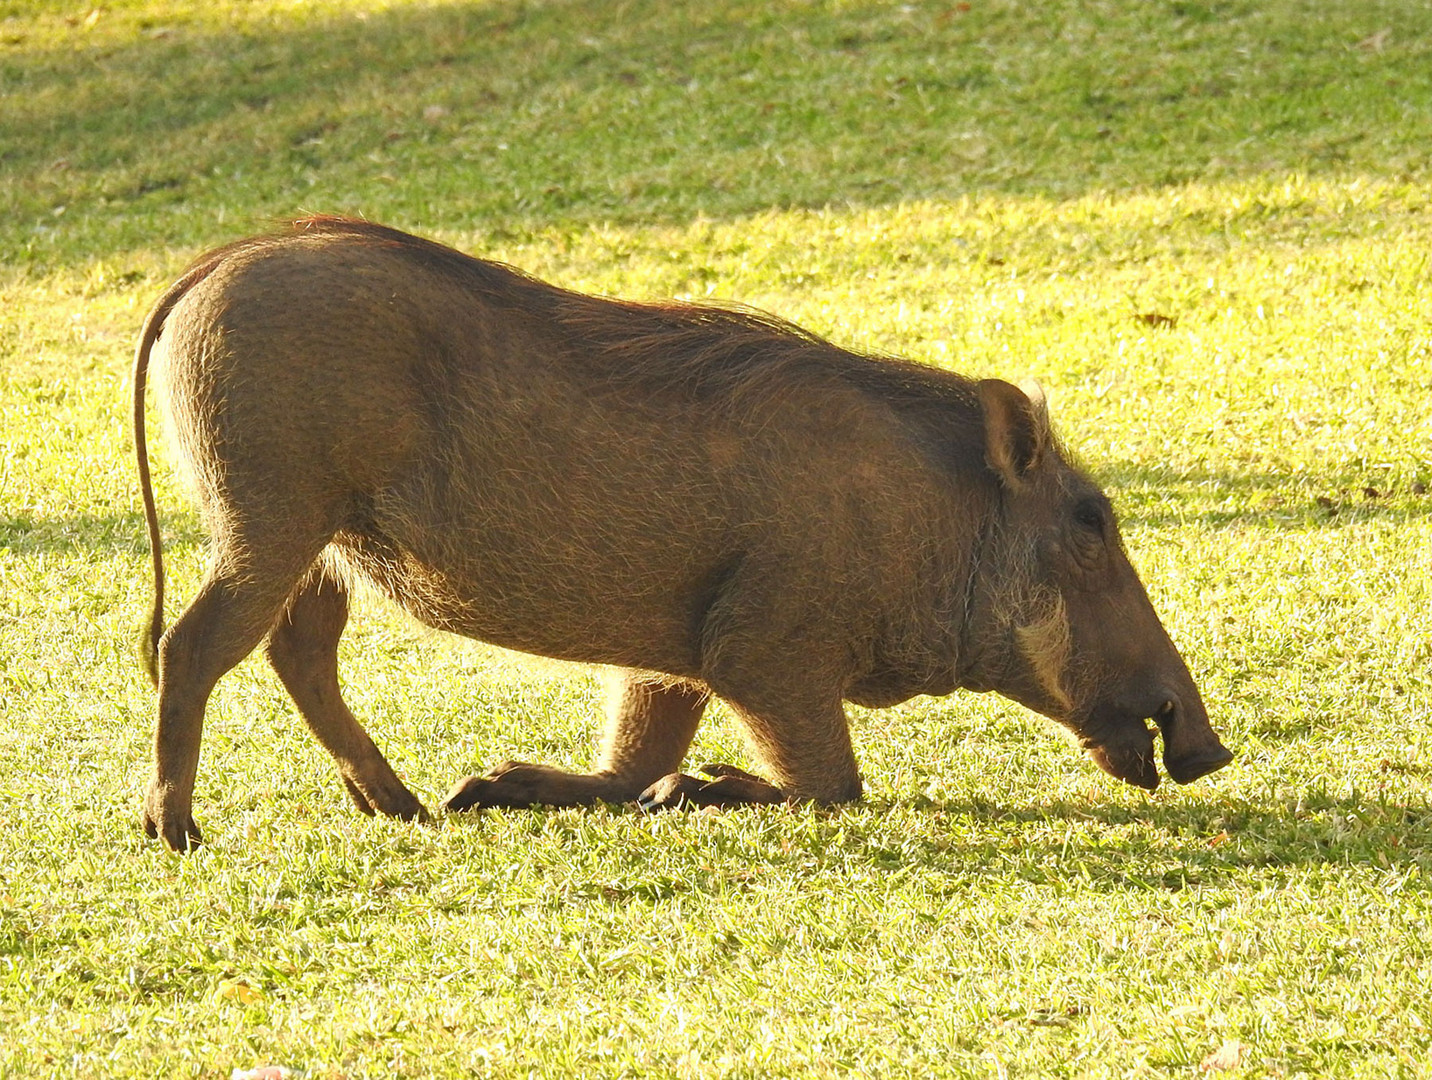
x=711 y=501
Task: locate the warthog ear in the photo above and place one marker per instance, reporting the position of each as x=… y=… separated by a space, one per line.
x=1016 y=428
x=1039 y=402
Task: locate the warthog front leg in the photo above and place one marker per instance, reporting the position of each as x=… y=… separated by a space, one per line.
x=797 y=727
x=813 y=762
x=303 y=649
x=650 y=724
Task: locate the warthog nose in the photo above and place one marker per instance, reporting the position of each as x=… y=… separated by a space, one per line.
x=1191 y=749
x=1189 y=768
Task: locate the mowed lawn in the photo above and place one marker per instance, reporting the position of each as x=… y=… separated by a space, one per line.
x=1203 y=225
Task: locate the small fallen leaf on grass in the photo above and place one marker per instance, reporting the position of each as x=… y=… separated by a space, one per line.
x=1157 y=320
x=1375 y=43
x=1221 y=838
x=237 y=990
x=1228 y=1056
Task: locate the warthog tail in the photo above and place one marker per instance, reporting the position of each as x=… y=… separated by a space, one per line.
x=153 y=326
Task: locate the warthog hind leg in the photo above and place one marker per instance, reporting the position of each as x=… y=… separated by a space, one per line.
x=650 y=723
x=225 y=622
x=303 y=649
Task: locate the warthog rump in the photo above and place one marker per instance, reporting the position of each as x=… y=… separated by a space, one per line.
x=710 y=501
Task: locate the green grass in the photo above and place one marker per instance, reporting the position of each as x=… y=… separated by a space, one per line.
x=1004 y=189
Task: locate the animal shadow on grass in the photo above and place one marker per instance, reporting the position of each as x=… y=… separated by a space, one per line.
x=1110 y=848
x=1181 y=846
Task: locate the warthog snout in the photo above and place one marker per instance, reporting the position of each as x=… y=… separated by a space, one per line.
x=1124 y=746
x=1129 y=756
x=1191 y=748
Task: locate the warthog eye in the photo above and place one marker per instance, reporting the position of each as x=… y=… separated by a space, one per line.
x=1090 y=515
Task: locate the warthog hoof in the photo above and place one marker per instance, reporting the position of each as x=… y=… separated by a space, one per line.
x=480 y=792
x=392 y=800
x=730 y=787
x=518 y=785
x=178 y=831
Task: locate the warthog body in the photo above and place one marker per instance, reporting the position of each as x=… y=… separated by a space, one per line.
x=711 y=501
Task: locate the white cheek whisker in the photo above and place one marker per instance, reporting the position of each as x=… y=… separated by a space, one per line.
x=1047 y=644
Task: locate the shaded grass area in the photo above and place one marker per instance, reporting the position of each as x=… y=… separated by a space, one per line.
x=1203 y=226
x=190 y=123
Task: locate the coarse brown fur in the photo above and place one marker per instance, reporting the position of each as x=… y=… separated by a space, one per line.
x=709 y=499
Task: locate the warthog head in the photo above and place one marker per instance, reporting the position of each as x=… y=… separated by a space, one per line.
x=1060 y=621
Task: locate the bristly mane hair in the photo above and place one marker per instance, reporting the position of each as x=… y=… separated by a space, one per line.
x=701 y=350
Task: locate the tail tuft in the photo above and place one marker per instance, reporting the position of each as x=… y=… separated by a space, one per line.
x=147 y=645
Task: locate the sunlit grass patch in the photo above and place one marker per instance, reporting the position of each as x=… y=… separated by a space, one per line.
x=1202 y=226
x=995 y=898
